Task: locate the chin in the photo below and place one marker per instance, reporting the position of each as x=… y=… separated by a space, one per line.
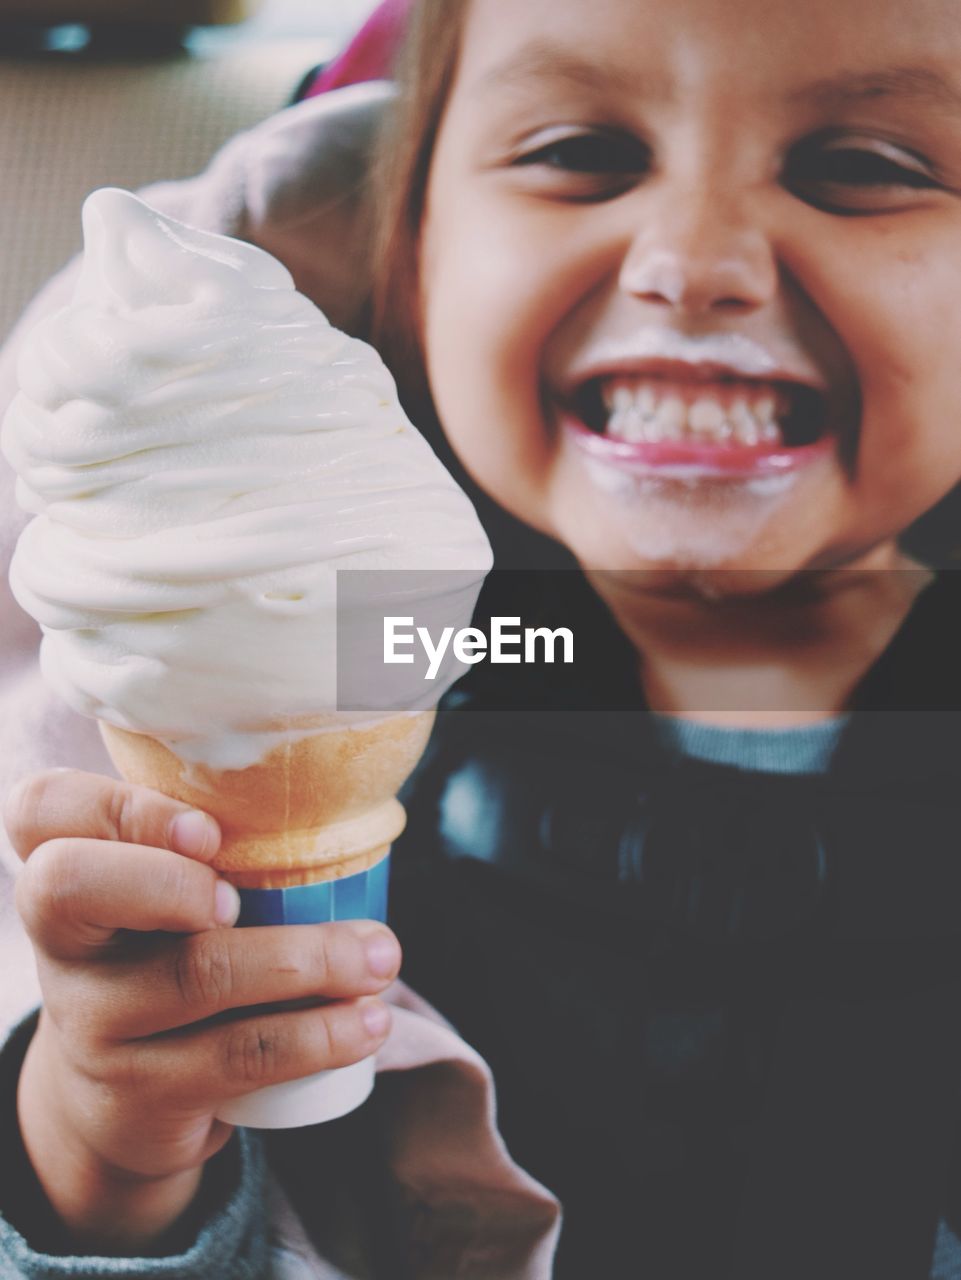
x=694 y=582
x=716 y=558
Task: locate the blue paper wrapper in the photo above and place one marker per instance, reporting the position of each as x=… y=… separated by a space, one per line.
x=358 y=897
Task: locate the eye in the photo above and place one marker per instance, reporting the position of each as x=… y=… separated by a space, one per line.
x=592 y=163
x=850 y=176
x=594 y=152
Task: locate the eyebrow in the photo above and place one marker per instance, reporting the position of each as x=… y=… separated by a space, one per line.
x=922 y=84
x=542 y=60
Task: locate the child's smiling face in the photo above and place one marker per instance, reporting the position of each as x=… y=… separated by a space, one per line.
x=691 y=273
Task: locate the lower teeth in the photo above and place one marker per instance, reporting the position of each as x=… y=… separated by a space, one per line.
x=640 y=431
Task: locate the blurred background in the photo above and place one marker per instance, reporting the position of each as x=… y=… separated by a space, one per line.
x=329 y=19
x=126 y=92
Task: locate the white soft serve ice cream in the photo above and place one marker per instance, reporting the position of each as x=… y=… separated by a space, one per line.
x=203 y=452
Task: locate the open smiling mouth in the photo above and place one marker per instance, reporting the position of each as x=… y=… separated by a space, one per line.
x=719 y=424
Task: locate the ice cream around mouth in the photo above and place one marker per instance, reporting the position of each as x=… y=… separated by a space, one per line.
x=202 y=452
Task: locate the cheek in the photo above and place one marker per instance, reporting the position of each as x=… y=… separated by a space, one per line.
x=483 y=292
x=911 y=319
x=489 y=302
x=891 y=293
x=911 y=381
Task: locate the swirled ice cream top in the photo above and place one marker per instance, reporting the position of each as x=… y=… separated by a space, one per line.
x=203 y=451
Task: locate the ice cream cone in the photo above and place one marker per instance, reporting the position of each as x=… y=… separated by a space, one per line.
x=248 y=518
x=317 y=808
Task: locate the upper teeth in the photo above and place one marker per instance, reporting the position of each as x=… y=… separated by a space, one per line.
x=645 y=411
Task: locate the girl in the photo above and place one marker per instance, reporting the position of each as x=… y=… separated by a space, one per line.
x=680 y=282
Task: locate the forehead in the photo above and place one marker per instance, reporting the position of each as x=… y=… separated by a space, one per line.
x=869 y=47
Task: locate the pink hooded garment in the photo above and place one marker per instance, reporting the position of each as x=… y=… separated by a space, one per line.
x=370 y=54
x=294 y=186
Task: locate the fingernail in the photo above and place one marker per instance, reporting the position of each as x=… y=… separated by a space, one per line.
x=376 y=1018
x=226 y=903
x=193 y=833
x=383 y=956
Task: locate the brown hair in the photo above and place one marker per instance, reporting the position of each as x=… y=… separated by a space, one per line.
x=424 y=73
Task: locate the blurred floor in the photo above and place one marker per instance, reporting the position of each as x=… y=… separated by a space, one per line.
x=73 y=122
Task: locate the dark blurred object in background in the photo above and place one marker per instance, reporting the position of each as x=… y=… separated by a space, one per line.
x=187 y=13
x=112 y=26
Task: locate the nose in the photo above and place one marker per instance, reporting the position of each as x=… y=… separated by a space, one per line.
x=700 y=253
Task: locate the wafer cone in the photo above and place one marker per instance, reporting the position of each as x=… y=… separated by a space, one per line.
x=314 y=809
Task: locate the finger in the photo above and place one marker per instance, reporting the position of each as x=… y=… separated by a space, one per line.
x=220 y=970
x=66 y=802
x=228 y=1059
x=74 y=895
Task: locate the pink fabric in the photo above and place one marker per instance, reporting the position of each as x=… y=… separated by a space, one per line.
x=370 y=55
x=294 y=185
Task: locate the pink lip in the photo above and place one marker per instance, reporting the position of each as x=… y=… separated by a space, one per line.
x=721 y=460
x=696 y=372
